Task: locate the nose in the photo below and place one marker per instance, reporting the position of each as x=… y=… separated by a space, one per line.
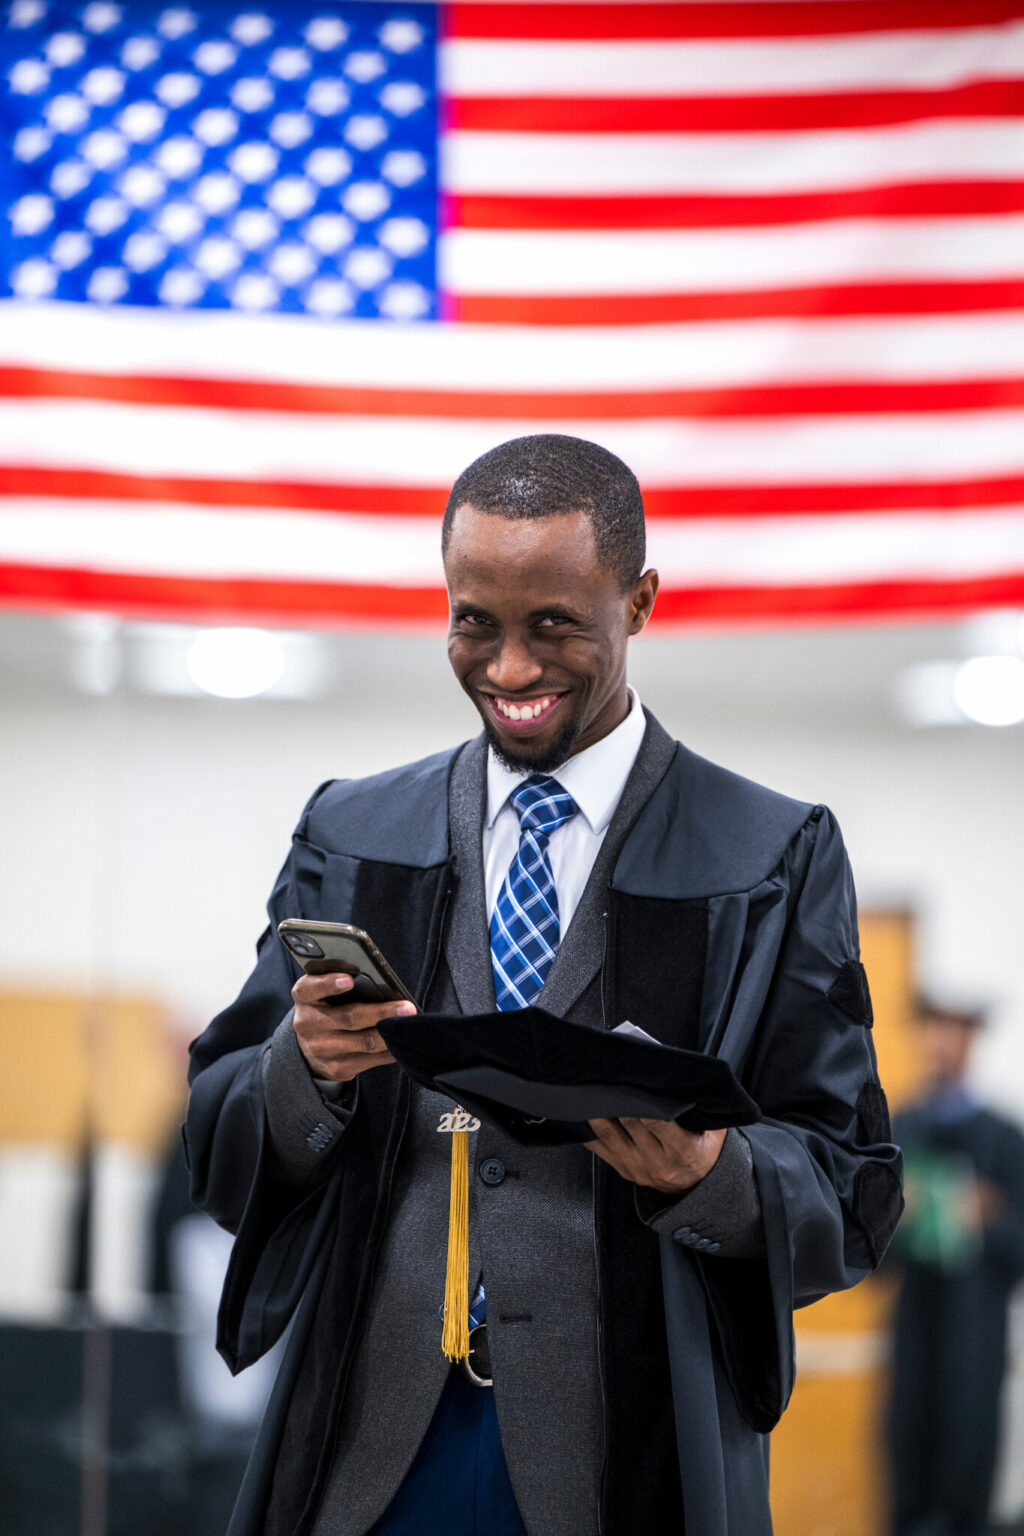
x=513 y=667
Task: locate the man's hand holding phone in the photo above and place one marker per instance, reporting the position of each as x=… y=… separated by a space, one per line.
x=339 y=1037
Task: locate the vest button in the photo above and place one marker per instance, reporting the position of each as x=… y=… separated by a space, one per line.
x=492 y=1171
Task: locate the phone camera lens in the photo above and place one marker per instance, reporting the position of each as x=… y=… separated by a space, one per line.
x=304 y=945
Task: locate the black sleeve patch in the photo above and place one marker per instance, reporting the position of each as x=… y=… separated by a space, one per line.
x=850 y=994
x=877 y=1205
x=873 y=1114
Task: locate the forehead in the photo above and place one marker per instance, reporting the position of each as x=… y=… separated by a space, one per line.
x=547 y=553
x=960 y=1022
x=953 y=1031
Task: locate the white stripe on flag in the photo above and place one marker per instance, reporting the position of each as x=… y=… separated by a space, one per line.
x=257 y=445
x=880 y=62
x=75 y=337
x=639 y=164
x=780 y=551
x=760 y=552
x=183 y=541
x=709 y=261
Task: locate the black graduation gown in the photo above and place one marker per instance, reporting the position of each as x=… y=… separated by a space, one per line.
x=949 y=1336
x=731 y=927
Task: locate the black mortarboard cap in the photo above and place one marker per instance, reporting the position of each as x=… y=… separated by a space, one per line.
x=542 y=1078
x=947 y=1010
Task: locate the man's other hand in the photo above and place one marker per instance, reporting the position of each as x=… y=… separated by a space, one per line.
x=339 y=1041
x=657 y=1154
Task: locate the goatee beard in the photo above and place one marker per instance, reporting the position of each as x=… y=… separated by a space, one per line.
x=537 y=762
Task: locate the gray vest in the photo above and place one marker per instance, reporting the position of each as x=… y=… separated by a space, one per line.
x=532 y=1235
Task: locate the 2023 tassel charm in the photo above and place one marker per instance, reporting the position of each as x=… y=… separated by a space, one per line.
x=455 y=1335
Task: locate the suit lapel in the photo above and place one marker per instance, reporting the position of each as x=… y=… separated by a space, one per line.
x=581 y=951
x=468 y=947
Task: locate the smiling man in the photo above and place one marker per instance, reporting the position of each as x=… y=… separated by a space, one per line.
x=636 y=1293
x=544 y=549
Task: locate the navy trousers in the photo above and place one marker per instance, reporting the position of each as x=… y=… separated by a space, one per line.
x=458 y=1485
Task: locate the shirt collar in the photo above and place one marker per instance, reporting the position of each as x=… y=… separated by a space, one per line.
x=595 y=777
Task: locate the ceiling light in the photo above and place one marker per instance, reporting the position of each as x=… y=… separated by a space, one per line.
x=235 y=663
x=990 y=689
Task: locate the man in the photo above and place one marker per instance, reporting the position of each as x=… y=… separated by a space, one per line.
x=638 y=1290
x=962 y=1248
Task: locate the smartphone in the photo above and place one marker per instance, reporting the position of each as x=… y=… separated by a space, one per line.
x=321 y=948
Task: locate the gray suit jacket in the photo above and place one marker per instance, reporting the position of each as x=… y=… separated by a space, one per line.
x=532 y=1234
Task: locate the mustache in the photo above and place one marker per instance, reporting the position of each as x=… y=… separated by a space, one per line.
x=536 y=689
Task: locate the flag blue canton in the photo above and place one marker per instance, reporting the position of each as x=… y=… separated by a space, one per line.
x=524 y=924
x=282 y=159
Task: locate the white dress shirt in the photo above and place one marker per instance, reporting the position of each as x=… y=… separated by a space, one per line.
x=595 y=778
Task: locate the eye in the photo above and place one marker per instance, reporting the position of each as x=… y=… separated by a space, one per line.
x=474 y=621
x=554 y=621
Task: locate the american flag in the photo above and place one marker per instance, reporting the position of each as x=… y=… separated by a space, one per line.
x=269 y=279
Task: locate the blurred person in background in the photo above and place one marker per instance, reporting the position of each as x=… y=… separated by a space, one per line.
x=961 y=1247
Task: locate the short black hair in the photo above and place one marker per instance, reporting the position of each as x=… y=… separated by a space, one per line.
x=551 y=473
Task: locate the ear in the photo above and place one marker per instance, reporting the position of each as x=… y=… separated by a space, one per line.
x=641 y=601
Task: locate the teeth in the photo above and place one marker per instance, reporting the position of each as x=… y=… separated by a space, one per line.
x=523 y=711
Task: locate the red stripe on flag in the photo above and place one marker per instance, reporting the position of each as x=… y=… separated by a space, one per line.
x=684 y=501
x=220 y=601
x=787 y=18
x=22 y=480
x=762 y=304
x=326 y=606
x=937 y=199
x=815 y=398
x=732 y=114
x=816 y=604
x=810 y=500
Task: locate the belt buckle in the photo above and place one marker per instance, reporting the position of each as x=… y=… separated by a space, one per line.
x=481 y=1377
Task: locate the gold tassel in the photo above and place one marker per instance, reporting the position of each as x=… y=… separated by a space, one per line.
x=455 y=1337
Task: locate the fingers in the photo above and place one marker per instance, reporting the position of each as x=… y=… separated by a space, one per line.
x=339 y=1042
x=627 y=1135
x=656 y=1153
x=609 y=1133
x=362 y=1041
x=320 y=995
x=316 y=989
x=612 y=1145
x=343 y=1068
x=342 y=1054
x=362 y=1016
x=643 y=1132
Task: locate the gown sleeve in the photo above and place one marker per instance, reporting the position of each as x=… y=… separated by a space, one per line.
x=829 y=1178
x=260 y=1139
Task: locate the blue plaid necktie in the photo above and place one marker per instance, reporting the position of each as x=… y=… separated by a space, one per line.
x=524 y=924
